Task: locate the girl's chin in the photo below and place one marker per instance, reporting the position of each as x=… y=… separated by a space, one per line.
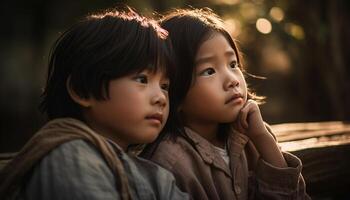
x=229 y=119
x=234 y=117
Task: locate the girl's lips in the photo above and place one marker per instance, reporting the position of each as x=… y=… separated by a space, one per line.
x=237 y=100
x=234 y=98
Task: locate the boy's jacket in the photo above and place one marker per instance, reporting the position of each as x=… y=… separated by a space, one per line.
x=66 y=159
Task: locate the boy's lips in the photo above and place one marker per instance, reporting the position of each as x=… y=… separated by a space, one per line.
x=233 y=97
x=156 y=117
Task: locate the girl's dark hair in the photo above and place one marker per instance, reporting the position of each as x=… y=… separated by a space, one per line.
x=98 y=49
x=188 y=29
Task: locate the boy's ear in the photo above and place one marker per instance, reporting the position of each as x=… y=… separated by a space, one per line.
x=84 y=102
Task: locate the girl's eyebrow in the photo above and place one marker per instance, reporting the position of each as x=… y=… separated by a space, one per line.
x=204 y=59
x=209 y=57
x=229 y=53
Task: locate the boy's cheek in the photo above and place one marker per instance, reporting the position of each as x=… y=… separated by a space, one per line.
x=166 y=113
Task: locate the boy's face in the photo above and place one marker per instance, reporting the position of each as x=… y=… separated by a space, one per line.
x=219 y=90
x=136 y=111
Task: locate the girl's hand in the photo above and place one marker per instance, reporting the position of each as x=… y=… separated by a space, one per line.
x=250 y=121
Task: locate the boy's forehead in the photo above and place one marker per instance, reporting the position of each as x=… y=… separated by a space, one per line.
x=161 y=70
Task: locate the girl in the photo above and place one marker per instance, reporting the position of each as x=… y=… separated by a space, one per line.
x=216 y=143
x=107 y=88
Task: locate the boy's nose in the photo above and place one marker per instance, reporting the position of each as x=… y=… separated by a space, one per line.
x=159 y=98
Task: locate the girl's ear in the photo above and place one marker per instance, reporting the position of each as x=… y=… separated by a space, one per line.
x=84 y=102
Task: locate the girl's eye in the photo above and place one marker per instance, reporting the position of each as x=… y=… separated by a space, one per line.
x=207 y=72
x=141 y=78
x=165 y=86
x=233 y=64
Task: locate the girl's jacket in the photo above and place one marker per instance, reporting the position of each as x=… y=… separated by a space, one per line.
x=200 y=171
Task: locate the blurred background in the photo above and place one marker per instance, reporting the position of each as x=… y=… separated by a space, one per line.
x=301 y=47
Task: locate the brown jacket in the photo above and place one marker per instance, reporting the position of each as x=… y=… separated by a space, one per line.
x=202 y=172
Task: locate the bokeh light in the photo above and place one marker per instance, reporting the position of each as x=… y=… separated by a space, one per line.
x=248 y=11
x=277 y=14
x=233 y=26
x=226 y=2
x=295 y=30
x=275 y=59
x=263 y=25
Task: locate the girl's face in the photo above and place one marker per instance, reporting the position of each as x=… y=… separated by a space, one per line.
x=219 y=90
x=136 y=110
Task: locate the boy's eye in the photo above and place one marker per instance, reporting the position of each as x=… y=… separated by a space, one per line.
x=141 y=78
x=165 y=86
x=207 y=72
x=233 y=64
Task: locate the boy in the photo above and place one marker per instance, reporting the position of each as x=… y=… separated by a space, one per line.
x=107 y=88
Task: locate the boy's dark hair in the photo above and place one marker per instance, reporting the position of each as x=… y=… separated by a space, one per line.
x=188 y=29
x=98 y=49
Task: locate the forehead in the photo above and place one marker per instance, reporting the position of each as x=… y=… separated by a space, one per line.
x=216 y=44
x=160 y=70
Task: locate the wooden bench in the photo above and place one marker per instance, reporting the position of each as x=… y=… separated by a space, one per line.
x=324 y=149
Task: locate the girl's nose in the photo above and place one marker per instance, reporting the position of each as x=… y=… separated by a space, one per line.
x=159 y=98
x=231 y=81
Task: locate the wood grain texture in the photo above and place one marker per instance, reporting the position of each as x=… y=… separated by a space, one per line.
x=324 y=148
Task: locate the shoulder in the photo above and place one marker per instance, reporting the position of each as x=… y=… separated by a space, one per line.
x=157 y=179
x=183 y=160
x=74 y=169
x=75 y=157
x=175 y=154
x=75 y=150
x=147 y=168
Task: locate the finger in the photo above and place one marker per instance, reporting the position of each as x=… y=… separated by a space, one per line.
x=240 y=128
x=244 y=115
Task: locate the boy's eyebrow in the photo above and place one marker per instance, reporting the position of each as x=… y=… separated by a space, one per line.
x=208 y=58
x=151 y=71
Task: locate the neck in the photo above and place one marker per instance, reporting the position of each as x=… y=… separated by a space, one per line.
x=107 y=134
x=123 y=145
x=208 y=131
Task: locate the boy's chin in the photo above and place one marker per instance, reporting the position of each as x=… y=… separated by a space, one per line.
x=149 y=138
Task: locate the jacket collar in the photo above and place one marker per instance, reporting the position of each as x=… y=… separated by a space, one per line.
x=236 y=142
